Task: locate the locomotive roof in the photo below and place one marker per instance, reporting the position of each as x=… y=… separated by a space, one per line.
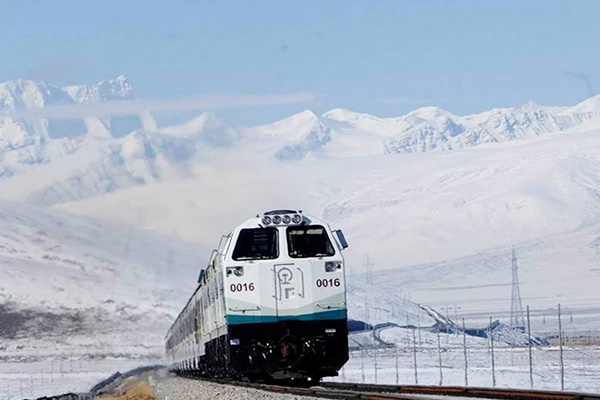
x=280 y=212
x=258 y=220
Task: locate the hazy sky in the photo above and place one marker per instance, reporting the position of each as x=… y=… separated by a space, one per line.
x=380 y=57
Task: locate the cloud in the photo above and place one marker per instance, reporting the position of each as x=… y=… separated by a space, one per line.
x=138 y=106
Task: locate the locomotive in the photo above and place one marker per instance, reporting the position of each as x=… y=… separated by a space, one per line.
x=270 y=305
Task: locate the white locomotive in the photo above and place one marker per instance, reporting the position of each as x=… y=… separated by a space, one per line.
x=271 y=305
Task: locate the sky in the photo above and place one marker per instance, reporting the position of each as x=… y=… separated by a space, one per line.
x=380 y=57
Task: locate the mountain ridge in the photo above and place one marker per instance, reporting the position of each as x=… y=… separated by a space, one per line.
x=133 y=150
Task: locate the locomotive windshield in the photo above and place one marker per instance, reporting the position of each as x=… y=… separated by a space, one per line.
x=308 y=241
x=256 y=244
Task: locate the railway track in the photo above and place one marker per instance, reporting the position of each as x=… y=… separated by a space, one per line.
x=459 y=391
x=335 y=390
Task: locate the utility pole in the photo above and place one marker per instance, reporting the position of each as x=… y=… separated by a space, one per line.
x=516 y=307
x=368 y=266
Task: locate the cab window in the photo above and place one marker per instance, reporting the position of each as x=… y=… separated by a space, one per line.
x=308 y=241
x=256 y=244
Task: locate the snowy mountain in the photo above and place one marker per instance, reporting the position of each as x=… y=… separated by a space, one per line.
x=47 y=161
x=409 y=212
x=431 y=128
x=291 y=138
x=65 y=279
x=27 y=142
x=340 y=132
x=101 y=165
x=207 y=129
x=50 y=160
x=112 y=89
x=512 y=178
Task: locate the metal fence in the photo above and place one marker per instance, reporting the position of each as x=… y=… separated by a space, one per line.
x=559 y=351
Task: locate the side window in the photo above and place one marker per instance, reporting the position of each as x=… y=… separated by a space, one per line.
x=256 y=244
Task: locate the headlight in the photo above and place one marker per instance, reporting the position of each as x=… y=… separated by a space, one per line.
x=237 y=271
x=297 y=219
x=331 y=266
x=277 y=220
x=266 y=220
x=286 y=219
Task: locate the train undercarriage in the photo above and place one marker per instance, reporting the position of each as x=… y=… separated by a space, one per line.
x=287 y=352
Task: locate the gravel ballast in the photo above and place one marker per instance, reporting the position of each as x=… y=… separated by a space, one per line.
x=171 y=387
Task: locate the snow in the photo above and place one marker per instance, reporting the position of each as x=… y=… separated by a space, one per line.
x=207 y=128
x=66 y=279
x=390 y=205
x=290 y=129
x=29 y=94
x=591 y=105
x=29 y=145
x=115 y=225
x=511 y=364
x=107 y=90
x=61 y=375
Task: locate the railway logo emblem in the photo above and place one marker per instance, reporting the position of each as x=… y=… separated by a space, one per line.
x=286 y=288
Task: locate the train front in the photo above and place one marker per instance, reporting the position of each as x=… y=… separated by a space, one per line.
x=285 y=297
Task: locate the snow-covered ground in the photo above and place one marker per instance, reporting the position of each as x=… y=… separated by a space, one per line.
x=149 y=204
x=79 y=288
x=511 y=365
x=54 y=376
x=438 y=227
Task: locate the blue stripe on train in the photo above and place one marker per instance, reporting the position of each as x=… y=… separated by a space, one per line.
x=253 y=319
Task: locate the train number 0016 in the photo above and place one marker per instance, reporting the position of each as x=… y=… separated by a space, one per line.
x=242 y=287
x=329 y=282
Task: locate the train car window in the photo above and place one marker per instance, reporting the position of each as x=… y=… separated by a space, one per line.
x=256 y=244
x=308 y=241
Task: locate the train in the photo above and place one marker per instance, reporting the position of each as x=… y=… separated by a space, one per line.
x=269 y=307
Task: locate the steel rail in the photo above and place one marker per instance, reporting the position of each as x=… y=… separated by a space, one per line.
x=338 y=390
x=496 y=393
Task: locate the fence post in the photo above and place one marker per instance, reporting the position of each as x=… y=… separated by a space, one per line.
x=397 y=372
x=415 y=357
x=560 y=347
x=407 y=334
x=487 y=341
x=456 y=317
x=375 y=362
x=447 y=326
x=419 y=327
x=440 y=357
x=465 y=351
x=530 y=353
x=362 y=363
x=492 y=349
